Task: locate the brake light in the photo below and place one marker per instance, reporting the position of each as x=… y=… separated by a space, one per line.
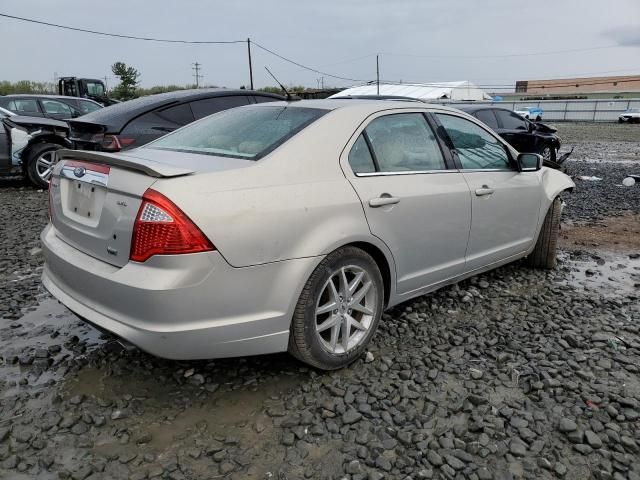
x=112 y=143
x=161 y=228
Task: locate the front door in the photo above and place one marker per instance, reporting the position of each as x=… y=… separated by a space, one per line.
x=505 y=202
x=412 y=201
x=517 y=131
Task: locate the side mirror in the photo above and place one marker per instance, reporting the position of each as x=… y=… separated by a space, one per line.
x=529 y=162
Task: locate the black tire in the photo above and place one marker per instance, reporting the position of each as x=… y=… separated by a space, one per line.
x=304 y=342
x=544 y=253
x=620 y=120
x=32 y=168
x=538 y=118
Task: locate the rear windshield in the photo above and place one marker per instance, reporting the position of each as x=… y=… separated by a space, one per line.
x=246 y=132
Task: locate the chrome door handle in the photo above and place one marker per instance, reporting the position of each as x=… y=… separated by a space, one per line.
x=382 y=200
x=484 y=190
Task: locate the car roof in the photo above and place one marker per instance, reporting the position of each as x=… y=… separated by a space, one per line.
x=115 y=117
x=370 y=105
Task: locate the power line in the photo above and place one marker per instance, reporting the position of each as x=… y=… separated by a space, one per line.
x=304 y=66
x=131 y=37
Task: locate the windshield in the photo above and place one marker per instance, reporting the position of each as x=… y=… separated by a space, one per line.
x=246 y=132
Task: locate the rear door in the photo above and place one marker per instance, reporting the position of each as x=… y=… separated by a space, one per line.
x=412 y=201
x=505 y=202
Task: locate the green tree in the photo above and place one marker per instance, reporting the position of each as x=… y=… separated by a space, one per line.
x=128 y=76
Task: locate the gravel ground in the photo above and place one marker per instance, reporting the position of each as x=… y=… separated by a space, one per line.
x=516 y=373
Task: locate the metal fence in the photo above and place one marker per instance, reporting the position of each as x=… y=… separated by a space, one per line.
x=597 y=110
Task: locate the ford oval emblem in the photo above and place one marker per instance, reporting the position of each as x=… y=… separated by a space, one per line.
x=79 y=171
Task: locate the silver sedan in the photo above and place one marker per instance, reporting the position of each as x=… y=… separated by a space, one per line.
x=290 y=226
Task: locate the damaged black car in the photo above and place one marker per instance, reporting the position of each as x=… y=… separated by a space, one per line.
x=522 y=134
x=28 y=145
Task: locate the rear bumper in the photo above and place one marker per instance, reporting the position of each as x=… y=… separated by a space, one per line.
x=183 y=306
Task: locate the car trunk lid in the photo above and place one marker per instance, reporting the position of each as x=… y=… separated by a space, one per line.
x=95 y=197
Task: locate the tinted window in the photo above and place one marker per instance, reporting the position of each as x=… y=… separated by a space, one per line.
x=261 y=99
x=250 y=132
x=180 y=114
x=23 y=106
x=56 y=107
x=476 y=148
x=360 y=157
x=203 y=108
x=86 y=106
x=487 y=117
x=511 y=121
x=404 y=142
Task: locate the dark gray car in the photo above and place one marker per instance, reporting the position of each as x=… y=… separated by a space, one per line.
x=48 y=106
x=137 y=122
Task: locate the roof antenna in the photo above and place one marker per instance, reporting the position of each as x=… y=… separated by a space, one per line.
x=290 y=98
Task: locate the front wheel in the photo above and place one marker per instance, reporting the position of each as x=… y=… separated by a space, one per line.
x=548 y=154
x=40 y=161
x=538 y=118
x=338 y=310
x=544 y=253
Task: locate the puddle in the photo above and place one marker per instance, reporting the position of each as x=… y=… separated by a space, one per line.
x=606 y=273
x=48 y=327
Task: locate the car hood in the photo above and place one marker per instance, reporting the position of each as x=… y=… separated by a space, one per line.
x=543 y=127
x=36 y=121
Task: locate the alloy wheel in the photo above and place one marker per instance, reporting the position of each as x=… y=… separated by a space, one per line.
x=546 y=154
x=45 y=164
x=345 y=309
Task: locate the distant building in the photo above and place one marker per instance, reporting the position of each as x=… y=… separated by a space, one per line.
x=627 y=83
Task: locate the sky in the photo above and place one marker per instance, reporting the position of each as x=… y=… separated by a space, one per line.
x=417 y=40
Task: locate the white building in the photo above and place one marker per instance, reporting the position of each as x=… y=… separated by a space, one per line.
x=453 y=91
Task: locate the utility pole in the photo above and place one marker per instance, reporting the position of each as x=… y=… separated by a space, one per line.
x=250 y=66
x=196 y=68
x=106 y=85
x=377 y=75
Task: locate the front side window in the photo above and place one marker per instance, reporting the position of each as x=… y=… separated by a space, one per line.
x=404 y=142
x=487 y=117
x=249 y=132
x=511 y=121
x=55 y=107
x=476 y=148
x=87 y=106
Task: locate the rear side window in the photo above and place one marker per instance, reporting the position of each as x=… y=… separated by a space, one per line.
x=360 y=157
x=404 y=142
x=487 y=117
x=261 y=99
x=180 y=114
x=56 y=107
x=250 y=132
x=208 y=106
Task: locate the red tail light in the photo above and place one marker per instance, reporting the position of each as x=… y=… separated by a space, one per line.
x=112 y=143
x=161 y=228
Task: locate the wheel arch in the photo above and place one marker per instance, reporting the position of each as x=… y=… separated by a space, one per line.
x=383 y=264
x=39 y=140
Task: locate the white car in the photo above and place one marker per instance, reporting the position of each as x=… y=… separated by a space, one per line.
x=530 y=113
x=290 y=226
x=630 y=116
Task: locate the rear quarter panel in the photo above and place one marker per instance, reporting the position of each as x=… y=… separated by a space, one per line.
x=293 y=203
